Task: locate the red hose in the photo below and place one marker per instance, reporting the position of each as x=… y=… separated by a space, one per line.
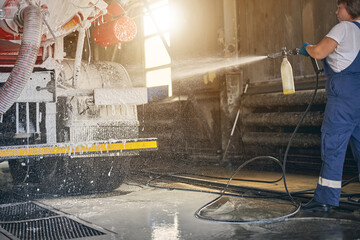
x=25 y=62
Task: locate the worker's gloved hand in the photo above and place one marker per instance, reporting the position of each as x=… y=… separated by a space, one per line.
x=303 y=50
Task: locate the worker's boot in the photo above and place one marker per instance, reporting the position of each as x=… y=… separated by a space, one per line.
x=314 y=206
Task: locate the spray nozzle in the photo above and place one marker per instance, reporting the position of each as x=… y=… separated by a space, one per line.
x=284 y=53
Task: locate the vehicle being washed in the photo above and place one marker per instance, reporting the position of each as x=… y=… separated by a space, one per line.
x=66 y=125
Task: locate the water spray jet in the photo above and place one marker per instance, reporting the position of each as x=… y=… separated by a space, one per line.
x=193 y=67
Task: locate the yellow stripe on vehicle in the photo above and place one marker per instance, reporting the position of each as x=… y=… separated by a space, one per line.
x=80 y=149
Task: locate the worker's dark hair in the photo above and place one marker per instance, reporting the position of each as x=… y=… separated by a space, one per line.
x=352 y=7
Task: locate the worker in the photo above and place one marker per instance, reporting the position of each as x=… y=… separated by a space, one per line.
x=340 y=52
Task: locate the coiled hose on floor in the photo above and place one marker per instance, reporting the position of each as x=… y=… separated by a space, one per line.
x=282 y=165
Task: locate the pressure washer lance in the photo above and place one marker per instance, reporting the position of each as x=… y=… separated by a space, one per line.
x=287 y=76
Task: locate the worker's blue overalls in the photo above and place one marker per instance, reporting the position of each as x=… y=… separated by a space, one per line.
x=341 y=123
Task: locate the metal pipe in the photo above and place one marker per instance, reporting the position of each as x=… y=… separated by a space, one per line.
x=37 y=117
x=78 y=56
x=284 y=52
x=281 y=139
x=231 y=135
x=278 y=99
x=27 y=118
x=17 y=117
x=282 y=119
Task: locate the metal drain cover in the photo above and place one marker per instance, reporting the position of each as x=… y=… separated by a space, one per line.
x=29 y=221
x=56 y=228
x=23 y=211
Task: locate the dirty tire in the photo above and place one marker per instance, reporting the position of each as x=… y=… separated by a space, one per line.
x=79 y=175
x=21 y=172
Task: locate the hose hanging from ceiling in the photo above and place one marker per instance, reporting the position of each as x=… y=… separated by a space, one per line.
x=24 y=65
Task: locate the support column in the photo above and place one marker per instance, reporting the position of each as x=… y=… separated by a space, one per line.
x=232 y=87
x=230 y=29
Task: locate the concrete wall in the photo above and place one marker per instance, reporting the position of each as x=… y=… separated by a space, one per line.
x=265 y=26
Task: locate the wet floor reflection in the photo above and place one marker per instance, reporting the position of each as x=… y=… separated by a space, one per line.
x=315 y=228
x=136 y=211
x=164 y=226
x=247 y=210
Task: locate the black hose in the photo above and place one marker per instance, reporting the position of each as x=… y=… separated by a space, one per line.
x=294 y=133
x=278 y=195
x=248 y=162
x=347 y=182
x=234 y=179
x=261 y=221
x=283 y=166
x=298 y=206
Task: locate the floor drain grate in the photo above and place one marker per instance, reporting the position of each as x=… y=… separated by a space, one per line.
x=50 y=228
x=29 y=221
x=23 y=211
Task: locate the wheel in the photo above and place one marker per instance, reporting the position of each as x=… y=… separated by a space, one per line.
x=76 y=176
x=22 y=171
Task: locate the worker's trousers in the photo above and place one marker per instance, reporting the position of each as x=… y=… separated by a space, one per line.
x=341 y=124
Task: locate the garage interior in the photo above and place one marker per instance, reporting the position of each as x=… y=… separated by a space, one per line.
x=227 y=162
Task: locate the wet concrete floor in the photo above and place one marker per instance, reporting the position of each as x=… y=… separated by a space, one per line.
x=138 y=211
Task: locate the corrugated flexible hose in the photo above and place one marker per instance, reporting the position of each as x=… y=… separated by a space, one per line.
x=25 y=62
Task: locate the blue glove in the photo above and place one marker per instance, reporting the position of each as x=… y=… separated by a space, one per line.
x=303 y=50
